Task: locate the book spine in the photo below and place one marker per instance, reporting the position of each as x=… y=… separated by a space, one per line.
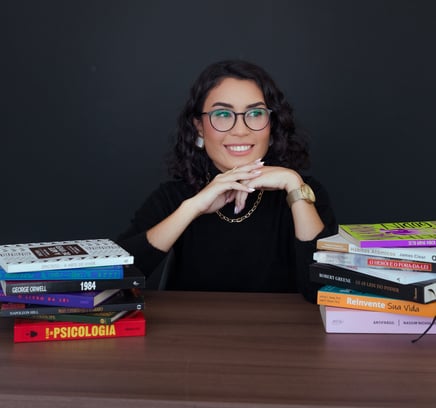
x=34 y=331
x=368 y=261
x=339 y=320
x=375 y=304
x=81 y=299
x=398 y=243
x=94 y=318
x=349 y=279
x=61 y=264
x=419 y=255
x=23 y=310
x=98 y=272
x=35 y=287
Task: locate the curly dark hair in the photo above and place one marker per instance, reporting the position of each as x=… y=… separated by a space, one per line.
x=288 y=149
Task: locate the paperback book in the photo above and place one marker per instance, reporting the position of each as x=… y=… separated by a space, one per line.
x=97 y=272
x=62 y=254
x=77 y=299
x=95 y=318
x=371 y=261
x=340 y=320
x=127 y=299
x=352 y=299
x=326 y=274
x=395 y=234
x=340 y=244
x=28 y=330
x=133 y=278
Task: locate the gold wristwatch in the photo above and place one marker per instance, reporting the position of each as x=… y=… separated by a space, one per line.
x=302 y=193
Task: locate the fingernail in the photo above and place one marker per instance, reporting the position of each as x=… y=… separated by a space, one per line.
x=251 y=189
x=236 y=210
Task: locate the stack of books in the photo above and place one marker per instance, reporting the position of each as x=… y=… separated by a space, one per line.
x=71 y=290
x=379 y=278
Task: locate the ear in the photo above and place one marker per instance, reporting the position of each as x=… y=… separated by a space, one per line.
x=199 y=126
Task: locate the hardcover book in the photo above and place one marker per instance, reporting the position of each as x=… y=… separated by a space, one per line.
x=326 y=274
x=395 y=234
x=62 y=254
x=127 y=299
x=96 y=272
x=352 y=299
x=133 y=278
x=340 y=320
x=28 y=330
x=77 y=299
x=340 y=244
x=370 y=261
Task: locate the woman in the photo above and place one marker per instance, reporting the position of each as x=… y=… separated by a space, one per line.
x=239 y=215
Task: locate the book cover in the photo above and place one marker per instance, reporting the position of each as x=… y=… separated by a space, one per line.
x=340 y=244
x=96 y=272
x=133 y=278
x=394 y=234
x=62 y=254
x=28 y=330
x=371 y=261
x=326 y=274
x=127 y=299
x=77 y=299
x=340 y=320
x=96 y=318
x=352 y=299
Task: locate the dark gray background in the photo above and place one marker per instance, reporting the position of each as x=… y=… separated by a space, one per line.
x=90 y=92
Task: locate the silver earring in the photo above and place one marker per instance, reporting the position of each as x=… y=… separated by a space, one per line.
x=199 y=142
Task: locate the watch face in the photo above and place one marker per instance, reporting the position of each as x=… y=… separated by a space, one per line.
x=308 y=193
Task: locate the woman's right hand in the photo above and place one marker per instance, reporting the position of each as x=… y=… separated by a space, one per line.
x=224 y=188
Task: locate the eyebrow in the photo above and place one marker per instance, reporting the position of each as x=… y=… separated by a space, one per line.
x=228 y=105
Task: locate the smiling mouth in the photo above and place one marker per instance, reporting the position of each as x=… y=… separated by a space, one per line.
x=239 y=148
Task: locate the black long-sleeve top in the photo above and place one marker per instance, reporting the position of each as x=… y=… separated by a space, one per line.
x=260 y=254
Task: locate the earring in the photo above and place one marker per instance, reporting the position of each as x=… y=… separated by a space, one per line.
x=199 y=142
x=270 y=142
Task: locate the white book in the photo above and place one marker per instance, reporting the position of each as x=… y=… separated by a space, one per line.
x=341 y=320
x=41 y=256
x=340 y=244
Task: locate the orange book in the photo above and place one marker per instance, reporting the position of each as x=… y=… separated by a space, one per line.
x=28 y=330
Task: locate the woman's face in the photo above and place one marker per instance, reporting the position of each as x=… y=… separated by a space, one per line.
x=239 y=145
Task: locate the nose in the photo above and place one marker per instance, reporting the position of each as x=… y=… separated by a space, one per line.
x=240 y=128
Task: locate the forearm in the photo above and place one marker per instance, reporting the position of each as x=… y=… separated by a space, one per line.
x=163 y=235
x=307 y=221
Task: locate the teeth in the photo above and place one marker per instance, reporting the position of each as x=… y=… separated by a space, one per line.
x=238 y=148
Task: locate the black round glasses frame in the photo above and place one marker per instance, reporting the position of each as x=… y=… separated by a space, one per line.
x=235 y=117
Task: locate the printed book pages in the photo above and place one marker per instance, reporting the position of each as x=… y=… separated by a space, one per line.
x=396 y=234
x=352 y=299
x=61 y=255
x=340 y=320
x=340 y=244
x=29 y=330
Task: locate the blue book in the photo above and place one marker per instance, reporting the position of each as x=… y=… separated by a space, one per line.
x=95 y=273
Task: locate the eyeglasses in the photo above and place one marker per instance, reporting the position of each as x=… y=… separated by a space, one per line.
x=223 y=120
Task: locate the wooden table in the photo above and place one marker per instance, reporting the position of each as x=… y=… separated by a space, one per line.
x=221 y=350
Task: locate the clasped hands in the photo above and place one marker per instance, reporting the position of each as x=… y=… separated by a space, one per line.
x=234 y=185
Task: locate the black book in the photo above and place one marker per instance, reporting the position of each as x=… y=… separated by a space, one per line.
x=133 y=278
x=127 y=299
x=420 y=292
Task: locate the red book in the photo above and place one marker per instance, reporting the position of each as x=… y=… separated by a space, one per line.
x=28 y=330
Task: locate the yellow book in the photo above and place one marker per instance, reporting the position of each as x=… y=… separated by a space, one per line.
x=351 y=299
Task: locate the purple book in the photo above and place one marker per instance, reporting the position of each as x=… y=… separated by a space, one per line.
x=73 y=299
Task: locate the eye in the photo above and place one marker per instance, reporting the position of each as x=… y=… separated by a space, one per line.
x=222 y=113
x=256 y=113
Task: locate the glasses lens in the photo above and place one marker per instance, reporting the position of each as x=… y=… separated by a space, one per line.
x=257 y=119
x=222 y=119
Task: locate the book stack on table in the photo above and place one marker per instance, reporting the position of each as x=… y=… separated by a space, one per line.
x=379 y=278
x=71 y=290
